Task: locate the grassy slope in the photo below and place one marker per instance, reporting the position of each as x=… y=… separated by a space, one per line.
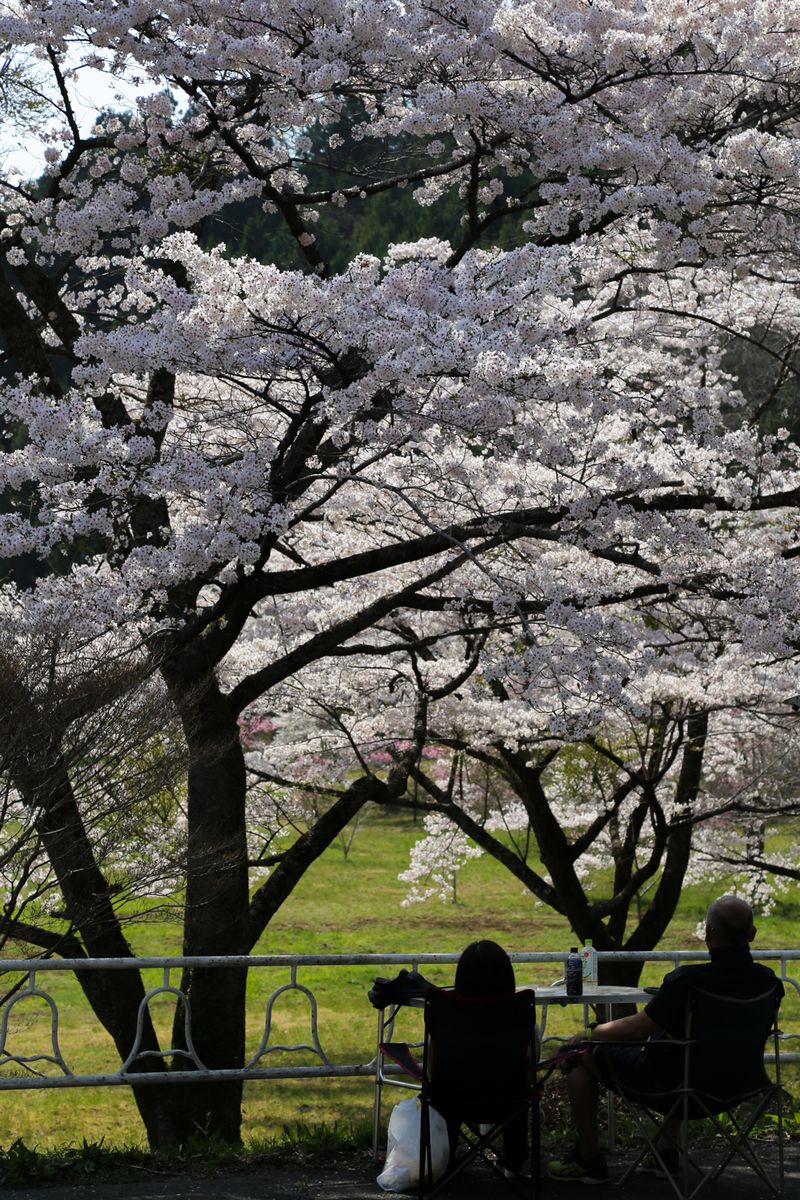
x=340 y=907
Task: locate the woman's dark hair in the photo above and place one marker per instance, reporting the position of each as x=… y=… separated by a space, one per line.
x=484 y=969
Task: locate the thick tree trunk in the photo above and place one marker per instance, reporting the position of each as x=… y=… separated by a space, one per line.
x=216 y=920
x=623 y=974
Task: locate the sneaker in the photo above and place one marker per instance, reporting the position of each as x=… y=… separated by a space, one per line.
x=573 y=1169
x=672 y=1162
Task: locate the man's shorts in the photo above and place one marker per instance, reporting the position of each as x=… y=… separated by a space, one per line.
x=629 y=1071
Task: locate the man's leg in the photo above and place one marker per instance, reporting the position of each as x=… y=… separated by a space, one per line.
x=584 y=1092
x=586 y=1163
x=670 y=1134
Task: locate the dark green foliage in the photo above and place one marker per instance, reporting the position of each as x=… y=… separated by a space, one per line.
x=366 y=226
x=772 y=391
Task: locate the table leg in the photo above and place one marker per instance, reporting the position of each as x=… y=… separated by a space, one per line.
x=376 y=1108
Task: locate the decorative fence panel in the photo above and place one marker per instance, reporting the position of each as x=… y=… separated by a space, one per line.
x=51 y=1070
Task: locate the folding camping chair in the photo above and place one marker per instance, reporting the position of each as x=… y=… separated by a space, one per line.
x=478 y=1070
x=723 y=1068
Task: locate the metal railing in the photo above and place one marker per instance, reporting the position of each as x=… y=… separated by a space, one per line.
x=31 y=1069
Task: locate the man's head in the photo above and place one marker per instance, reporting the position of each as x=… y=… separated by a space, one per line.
x=729 y=922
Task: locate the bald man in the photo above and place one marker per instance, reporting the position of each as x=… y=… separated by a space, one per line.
x=647 y=1069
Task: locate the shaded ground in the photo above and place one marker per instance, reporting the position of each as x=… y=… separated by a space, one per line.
x=355 y=1180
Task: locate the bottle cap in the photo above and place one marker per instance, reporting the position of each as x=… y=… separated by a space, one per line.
x=588 y=942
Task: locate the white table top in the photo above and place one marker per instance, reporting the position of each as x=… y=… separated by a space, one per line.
x=593 y=993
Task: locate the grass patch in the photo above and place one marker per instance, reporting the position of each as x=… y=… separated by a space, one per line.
x=97 y=1162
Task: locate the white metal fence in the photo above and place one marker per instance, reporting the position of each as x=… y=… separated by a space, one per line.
x=49 y=1069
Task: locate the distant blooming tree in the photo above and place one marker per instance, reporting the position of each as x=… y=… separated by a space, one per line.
x=436 y=860
x=543 y=450
x=752 y=785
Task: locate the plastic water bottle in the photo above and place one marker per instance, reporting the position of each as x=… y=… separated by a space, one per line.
x=573 y=975
x=589 y=962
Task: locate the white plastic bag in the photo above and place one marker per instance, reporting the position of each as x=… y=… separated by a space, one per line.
x=401 y=1170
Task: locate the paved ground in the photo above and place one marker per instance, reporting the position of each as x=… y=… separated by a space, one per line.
x=356 y=1181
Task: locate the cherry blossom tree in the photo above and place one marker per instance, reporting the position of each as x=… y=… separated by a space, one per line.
x=247 y=471
x=90 y=762
x=604 y=804
x=751 y=786
x=436 y=860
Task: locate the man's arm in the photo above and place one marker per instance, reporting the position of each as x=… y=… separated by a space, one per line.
x=635 y=1028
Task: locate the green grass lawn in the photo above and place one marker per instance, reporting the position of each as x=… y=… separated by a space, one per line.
x=341 y=906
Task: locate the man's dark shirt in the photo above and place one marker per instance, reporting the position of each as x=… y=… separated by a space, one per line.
x=731 y=972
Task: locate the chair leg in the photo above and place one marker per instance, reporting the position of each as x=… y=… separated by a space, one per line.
x=478 y=1144
x=647 y=1143
x=739 y=1144
x=456 y=1166
x=684 y=1148
x=424 y=1147
x=679 y=1187
x=780 y=1145
x=536 y=1148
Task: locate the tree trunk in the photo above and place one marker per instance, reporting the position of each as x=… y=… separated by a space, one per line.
x=661 y=909
x=623 y=974
x=216 y=919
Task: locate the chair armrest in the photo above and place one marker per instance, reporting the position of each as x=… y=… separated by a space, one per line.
x=400 y=1053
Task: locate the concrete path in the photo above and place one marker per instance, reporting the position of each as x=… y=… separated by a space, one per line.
x=342 y=1180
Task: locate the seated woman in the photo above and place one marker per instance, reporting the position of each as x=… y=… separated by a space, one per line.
x=484 y=970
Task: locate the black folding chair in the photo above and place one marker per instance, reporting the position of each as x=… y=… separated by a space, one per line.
x=479 y=1070
x=723 y=1069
